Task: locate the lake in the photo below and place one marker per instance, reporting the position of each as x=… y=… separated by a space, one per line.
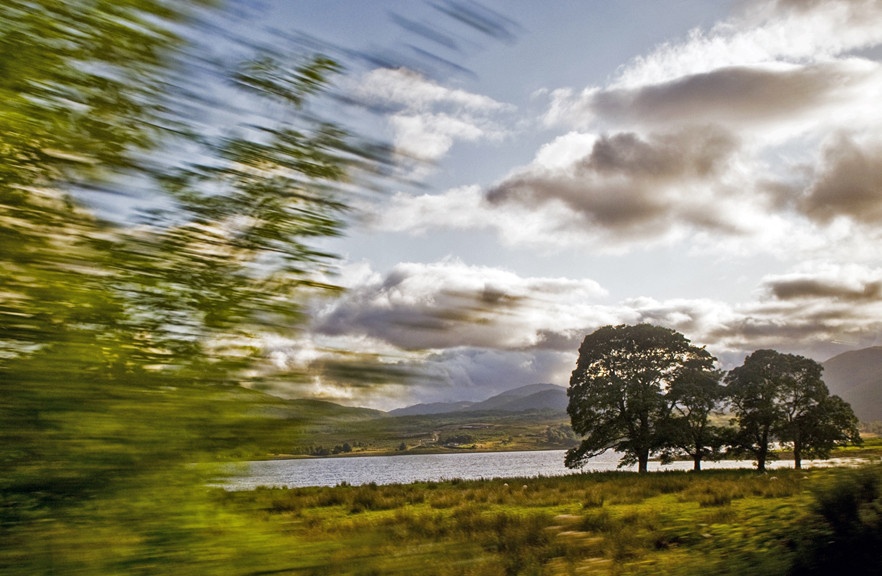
x=403 y=469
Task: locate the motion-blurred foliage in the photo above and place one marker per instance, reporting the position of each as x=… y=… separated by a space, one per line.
x=844 y=532
x=123 y=340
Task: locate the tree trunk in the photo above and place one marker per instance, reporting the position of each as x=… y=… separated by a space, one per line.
x=762 y=453
x=797 y=455
x=643 y=462
x=761 y=460
x=696 y=463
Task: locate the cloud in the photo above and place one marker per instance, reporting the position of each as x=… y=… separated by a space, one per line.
x=448 y=304
x=477 y=373
x=447 y=330
x=848 y=183
x=766 y=32
x=346 y=368
x=818 y=311
x=777 y=67
x=758 y=136
x=711 y=142
x=548 y=226
x=618 y=192
x=777 y=79
x=847 y=284
x=431 y=136
x=739 y=97
x=768 y=103
x=777 y=60
x=402 y=88
x=427 y=118
x=629 y=187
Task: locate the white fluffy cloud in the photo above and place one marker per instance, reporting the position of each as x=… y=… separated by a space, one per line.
x=721 y=141
x=468 y=208
x=766 y=32
x=428 y=118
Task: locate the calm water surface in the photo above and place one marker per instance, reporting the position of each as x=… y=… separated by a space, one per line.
x=436 y=467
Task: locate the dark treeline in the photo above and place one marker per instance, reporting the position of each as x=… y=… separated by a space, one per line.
x=646 y=390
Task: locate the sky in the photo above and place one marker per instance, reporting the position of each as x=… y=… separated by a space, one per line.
x=711 y=166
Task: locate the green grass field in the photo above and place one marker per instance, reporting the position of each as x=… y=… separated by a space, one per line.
x=713 y=522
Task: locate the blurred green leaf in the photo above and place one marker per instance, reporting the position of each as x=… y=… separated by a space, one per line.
x=123 y=344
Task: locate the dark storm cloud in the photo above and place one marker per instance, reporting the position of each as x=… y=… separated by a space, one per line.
x=849 y=184
x=449 y=304
x=805 y=336
x=442 y=320
x=733 y=95
x=801 y=330
x=696 y=153
x=804 y=288
x=633 y=185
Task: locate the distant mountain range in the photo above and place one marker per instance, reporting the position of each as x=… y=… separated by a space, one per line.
x=530 y=397
x=856 y=377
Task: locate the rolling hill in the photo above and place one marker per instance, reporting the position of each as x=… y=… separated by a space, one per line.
x=530 y=397
x=432 y=408
x=856 y=377
x=527 y=418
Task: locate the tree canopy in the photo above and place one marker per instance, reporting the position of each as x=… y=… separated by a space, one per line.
x=694 y=396
x=782 y=397
x=643 y=390
x=617 y=393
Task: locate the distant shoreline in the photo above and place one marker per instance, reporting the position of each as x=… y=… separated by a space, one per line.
x=873 y=451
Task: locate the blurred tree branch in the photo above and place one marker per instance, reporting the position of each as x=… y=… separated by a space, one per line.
x=122 y=342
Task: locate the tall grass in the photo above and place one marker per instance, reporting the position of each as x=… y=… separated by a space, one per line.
x=721 y=522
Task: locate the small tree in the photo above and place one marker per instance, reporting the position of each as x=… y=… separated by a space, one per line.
x=753 y=390
x=694 y=396
x=828 y=424
x=617 y=391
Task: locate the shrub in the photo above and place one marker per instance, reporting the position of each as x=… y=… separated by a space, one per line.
x=844 y=534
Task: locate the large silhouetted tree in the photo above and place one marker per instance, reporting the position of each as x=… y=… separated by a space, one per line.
x=617 y=393
x=782 y=397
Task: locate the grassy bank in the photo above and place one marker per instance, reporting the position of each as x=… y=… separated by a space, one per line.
x=720 y=522
x=435 y=433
